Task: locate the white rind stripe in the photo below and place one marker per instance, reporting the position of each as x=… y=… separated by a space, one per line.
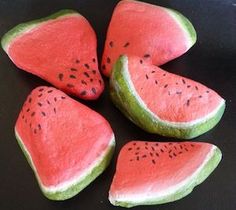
x=145 y=198
x=168 y=123
x=67 y=184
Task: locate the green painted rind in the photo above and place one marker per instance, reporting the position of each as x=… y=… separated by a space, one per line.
x=186 y=24
x=128 y=104
x=76 y=188
x=23 y=27
x=197 y=179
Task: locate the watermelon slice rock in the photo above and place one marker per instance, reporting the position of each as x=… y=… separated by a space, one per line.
x=154 y=173
x=60 y=49
x=155 y=33
x=66 y=143
x=161 y=102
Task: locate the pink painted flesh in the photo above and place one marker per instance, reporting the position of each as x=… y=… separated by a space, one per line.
x=152 y=167
x=62 y=136
x=63 y=52
x=140 y=29
x=171 y=97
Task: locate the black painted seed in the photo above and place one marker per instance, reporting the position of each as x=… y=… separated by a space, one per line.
x=77 y=61
x=183 y=81
x=108 y=60
x=60 y=76
x=170 y=151
x=165 y=146
x=126 y=44
x=28 y=110
x=188 y=102
x=186 y=149
x=144 y=156
x=153 y=72
x=174 y=154
x=169 y=93
x=164 y=75
x=141 y=61
x=200 y=96
x=136 y=153
x=196 y=87
x=94 y=90
x=48 y=102
x=40 y=95
x=131 y=160
x=134 y=143
x=157 y=154
x=39 y=126
x=166 y=86
x=91 y=80
x=157 y=144
x=192 y=145
x=50 y=91
x=73 y=69
x=153 y=149
x=70 y=85
x=41 y=89
x=170 y=143
x=86 y=74
x=83 y=82
x=72 y=76
x=54 y=109
x=83 y=93
x=86 y=65
x=30 y=99
x=138 y=148
x=146 y=56
x=94 y=71
x=129 y=149
x=94 y=60
x=137 y=158
x=63 y=97
x=170 y=156
x=40 y=104
x=55 y=99
x=146 y=148
x=181 y=147
x=178 y=92
x=207 y=91
x=188 y=86
x=32 y=114
x=180 y=152
x=23 y=116
x=146 y=76
x=35 y=131
x=162 y=150
x=156 y=82
x=153 y=161
x=111 y=43
x=103 y=67
x=151 y=154
x=43 y=113
x=146 y=143
x=175 y=147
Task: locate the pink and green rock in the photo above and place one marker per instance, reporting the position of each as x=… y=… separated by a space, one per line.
x=66 y=143
x=150 y=173
x=60 y=49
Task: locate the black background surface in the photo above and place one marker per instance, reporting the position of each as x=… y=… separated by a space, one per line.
x=210 y=61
